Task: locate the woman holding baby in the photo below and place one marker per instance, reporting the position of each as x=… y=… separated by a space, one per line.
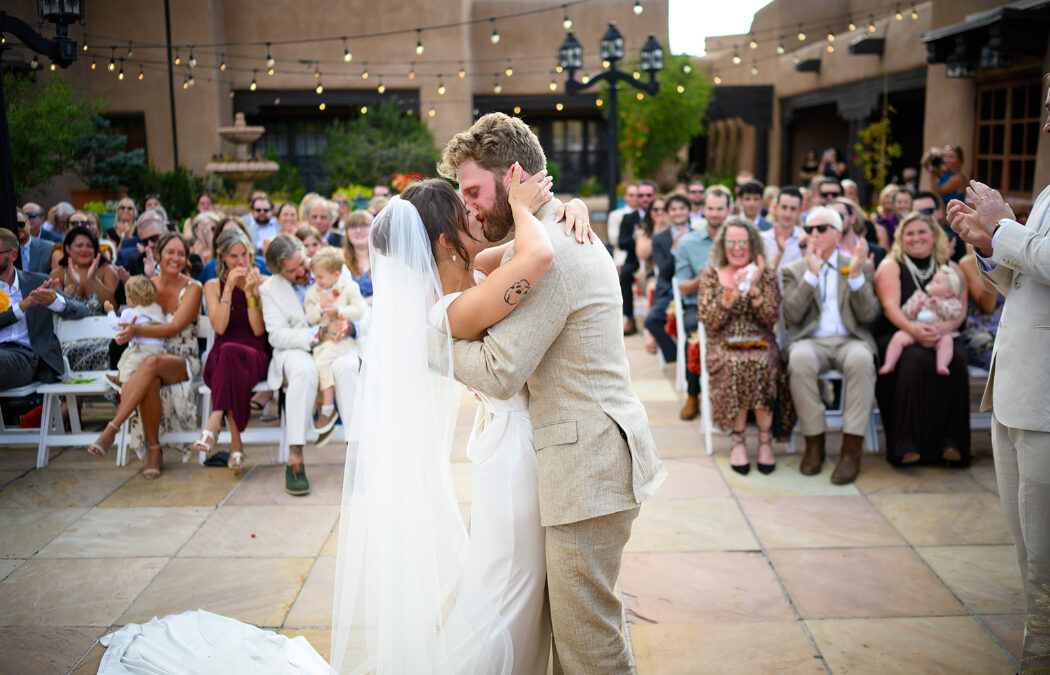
x=739 y=303
x=924 y=398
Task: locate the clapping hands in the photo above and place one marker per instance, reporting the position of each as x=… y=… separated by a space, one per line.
x=859 y=257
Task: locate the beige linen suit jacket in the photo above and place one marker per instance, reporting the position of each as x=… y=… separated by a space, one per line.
x=802 y=304
x=285 y=324
x=1020 y=367
x=565 y=341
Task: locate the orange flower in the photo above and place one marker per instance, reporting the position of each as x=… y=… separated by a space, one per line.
x=844 y=270
x=335 y=291
x=5 y=301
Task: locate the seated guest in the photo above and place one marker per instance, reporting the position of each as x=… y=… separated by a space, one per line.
x=35 y=252
x=148 y=230
x=204 y=203
x=322 y=215
x=141 y=309
x=203 y=227
x=83 y=273
x=849 y=189
x=94 y=225
x=240 y=355
x=311 y=239
x=152 y=201
x=982 y=313
x=262 y=224
x=663 y=256
x=29 y=349
x=926 y=415
x=782 y=242
x=828 y=189
x=292 y=339
x=739 y=304
x=35 y=217
x=855 y=226
x=228 y=223
x=829 y=300
x=124 y=224
x=162 y=388
x=694 y=249
x=750 y=203
x=930 y=204
x=355 y=251
x=885 y=215
x=57 y=222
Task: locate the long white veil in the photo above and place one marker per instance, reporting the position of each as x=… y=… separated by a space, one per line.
x=402 y=541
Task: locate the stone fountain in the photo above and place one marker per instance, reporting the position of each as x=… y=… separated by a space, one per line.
x=244 y=170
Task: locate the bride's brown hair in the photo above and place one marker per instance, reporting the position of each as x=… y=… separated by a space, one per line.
x=441 y=211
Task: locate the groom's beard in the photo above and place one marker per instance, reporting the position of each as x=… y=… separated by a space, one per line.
x=497 y=221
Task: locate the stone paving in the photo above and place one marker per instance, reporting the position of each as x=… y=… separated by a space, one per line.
x=907 y=571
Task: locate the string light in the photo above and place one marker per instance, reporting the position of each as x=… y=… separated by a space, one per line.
x=269 y=57
x=178 y=59
x=639 y=96
x=193 y=59
x=277 y=100
x=559 y=107
x=598 y=102
x=364 y=110
x=718 y=79
x=253 y=86
x=687 y=69
x=509 y=70
x=232 y=92
x=754 y=69
x=319 y=88
x=85 y=47
x=638 y=9
x=131 y=51
x=93 y=64
x=189 y=80
x=780 y=48
x=831 y=36
x=497 y=88
x=831 y=49
x=222 y=65
x=898 y=16
x=322 y=106
x=462 y=72
x=680 y=89
x=566 y=22
x=317 y=72
x=914 y=13
x=558 y=69
x=553 y=86
x=736 y=59
x=801 y=34
x=142 y=75
x=636 y=75
x=753 y=44
x=871 y=23
x=605 y=64
x=120 y=75
x=347 y=56
x=381 y=88
x=495 y=33
x=585 y=78
x=517 y=110
x=54 y=68
x=441 y=86
x=186 y=83
x=432 y=112
x=364 y=73
x=270 y=71
x=419 y=41
x=112 y=65
x=852 y=26
x=412 y=71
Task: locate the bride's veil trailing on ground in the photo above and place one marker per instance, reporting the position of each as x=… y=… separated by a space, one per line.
x=402 y=541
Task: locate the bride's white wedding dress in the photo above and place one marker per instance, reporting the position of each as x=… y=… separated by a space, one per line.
x=506 y=559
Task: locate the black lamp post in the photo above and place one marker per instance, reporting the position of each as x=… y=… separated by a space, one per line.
x=570 y=57
x=61 y=50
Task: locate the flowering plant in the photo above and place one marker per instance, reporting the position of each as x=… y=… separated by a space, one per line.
x=400 y=181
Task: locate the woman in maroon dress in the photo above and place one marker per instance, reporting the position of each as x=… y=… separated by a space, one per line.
x=240 y=356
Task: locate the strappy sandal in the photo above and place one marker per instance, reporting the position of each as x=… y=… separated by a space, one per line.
x=98 y=450
x=236 y=462
x=765 y=439
x=738 y=441
x=153 y=474
x=201 y=444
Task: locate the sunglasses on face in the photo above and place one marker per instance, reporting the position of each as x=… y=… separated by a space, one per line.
x=150 y=240
x=74 y=223
x=740 y=243
x=822 y=228
x=260 y=210
x=32 y=214
x=23 y=223
x=696 y=192
x=125 y=208
x=658 y=208
x=646 y=195
x=926 y=212
x=830 y=195
x=343 y=202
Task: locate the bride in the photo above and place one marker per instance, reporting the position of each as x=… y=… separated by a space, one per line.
x=413 y=594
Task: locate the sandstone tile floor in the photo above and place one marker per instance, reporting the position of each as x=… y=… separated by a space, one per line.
x=906 y=571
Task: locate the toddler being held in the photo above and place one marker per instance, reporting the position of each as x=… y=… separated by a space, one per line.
x=940 y=302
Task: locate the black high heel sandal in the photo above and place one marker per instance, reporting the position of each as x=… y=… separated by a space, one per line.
x=765 y=437
x=738 y=440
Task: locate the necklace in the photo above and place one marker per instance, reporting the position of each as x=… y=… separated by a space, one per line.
x=917 y=274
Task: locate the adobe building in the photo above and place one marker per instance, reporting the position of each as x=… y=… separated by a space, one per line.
x=475 y=73
x=964 y=72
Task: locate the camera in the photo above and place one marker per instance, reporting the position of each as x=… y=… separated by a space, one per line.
x=936 y=161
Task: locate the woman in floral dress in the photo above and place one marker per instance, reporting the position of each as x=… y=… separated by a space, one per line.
x=739 y=303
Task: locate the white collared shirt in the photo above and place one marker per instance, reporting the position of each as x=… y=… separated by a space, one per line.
x=18 y=332
x=791 y=250
x=827 y=285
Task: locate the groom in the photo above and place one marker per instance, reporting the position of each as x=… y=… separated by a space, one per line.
x=597 y=459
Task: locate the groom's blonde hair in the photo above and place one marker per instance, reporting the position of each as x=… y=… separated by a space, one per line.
x=494 y=142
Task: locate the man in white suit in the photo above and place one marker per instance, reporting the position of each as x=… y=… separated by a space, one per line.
x=292 y=339
x=1015 y=258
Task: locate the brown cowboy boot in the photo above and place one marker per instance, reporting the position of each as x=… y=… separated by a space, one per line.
x=691 y=408
x=849 y=460
x=813 y=458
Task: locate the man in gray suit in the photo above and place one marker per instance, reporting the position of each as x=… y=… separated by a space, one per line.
x=596 y=456
x=1015 y=258
x=35 y=252
x=29 y=349
x=829 y=301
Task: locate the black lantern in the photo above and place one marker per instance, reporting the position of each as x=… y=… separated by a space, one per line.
x=61 y=12
x=612 y=44
x=570 y=55
x=652 y=59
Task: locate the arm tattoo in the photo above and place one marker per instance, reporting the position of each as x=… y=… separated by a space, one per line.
x=517 y=292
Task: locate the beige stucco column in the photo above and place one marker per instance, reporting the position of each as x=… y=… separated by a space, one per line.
x=951 y=115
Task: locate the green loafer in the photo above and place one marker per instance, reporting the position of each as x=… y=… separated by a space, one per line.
x=295 y=483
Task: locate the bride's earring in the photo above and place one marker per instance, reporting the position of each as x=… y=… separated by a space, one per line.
x=453 y=257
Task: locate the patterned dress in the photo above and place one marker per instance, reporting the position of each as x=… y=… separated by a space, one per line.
x=88 y=353
x=743 y=379
x=180 y=402
x=979 y=333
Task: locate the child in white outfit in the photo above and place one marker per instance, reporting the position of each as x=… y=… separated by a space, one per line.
x=141 y=310
x=940 y=303
x=333 y=301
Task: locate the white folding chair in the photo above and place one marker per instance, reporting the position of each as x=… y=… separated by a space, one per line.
x=680 y=338
x=706 y=420
x=16 y=435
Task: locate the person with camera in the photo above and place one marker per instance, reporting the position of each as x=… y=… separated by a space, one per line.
x=945 y=177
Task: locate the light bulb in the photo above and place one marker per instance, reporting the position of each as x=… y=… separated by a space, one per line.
x=252 y=86
x=93 y=64
x=317 y=72
x=192 y=60
x=222 y=65
x=186 y=84
x=54 y=68
x=852 y=26
x=598 y=102
x=558 y=69
x=517 y=110
x=364 y=110
x=801 y=35
x=112 y=65
x=497 y=88
x=412 y=74
x=585 y=79
x=322 y=106
x=85 y=44
x=232 y=93
x=680 y=89
x=142 y=75
x=871 y=23
x=277 y=100
x=495 y=33
x=736 y=59
x=320 y=88
x=898 y=16
x=831 y=36
x=419 y=47
x=347 y=56
x=432 y=112
x=269 y=57
x=381 y=88
x=509 y=71
x=131 y=51
x=687 y=69
x=636 y=75
x=831 y=49
x=780 y=49
x=441 y=89
x=605 y=64
x=270 y=71
x=639 y=96
x=559 y=107
x=718 y=79
x=120 y=75
x=178 y=59
x=462 y=73
x=190 y=81
x=364 y=73
x=638 y=7
x=566 y=22
x=914 y=14
x=753 y=44
x=553 y=86
x=754 y=69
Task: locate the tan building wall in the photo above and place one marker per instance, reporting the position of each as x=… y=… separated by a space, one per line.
x=529 y=44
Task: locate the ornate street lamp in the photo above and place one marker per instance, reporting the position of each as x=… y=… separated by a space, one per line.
x=570 y=58
x=61 y=50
